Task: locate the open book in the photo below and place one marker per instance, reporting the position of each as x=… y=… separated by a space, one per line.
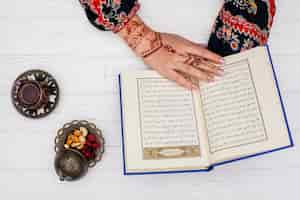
x=170 y=129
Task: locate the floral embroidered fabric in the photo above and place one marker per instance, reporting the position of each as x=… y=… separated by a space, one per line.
x=111 y=15
x=242 y=25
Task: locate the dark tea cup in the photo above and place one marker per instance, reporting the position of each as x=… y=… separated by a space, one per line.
x=32 y=95
x=35 y=93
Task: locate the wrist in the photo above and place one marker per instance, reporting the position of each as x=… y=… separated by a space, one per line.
x=140 y=38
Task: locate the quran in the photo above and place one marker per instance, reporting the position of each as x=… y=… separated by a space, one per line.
x=168 y=129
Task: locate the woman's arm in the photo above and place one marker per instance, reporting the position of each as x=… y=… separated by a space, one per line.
x=172 y=56
x=110 y=15
x=242 y=26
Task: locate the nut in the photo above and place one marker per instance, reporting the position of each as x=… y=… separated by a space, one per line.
x=82 y=139
x=84 y=131
x=69 y=140
x=75 y=144
x=80 y=147
x=76 y=139
x=77 y=132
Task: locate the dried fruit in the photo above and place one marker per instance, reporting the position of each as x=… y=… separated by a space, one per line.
x=81 y=146
x=91 y=137
x=75 y=144
x=76 y=139
x=77 y=133
x=69 y=140
x=84 y=131
x=88 y=152
x=82 y=139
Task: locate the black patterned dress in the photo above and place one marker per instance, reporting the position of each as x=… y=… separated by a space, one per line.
x=110 y=15
x=242 y=25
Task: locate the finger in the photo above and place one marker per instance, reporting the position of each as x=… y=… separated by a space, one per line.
x=198 y=62
x=201 y=45
x=180 y=58
x=181 y=80
x=211 y=68
x=192 y=71
x=205 y=53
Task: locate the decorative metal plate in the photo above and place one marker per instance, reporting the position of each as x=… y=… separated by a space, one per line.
x=49 y=94
x=63 y=133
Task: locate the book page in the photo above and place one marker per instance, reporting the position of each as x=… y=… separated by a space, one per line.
x=242 y=109
x=231 y=109
x=168 y=121
x=163 y=129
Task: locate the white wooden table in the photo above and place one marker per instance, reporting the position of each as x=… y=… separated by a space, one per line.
x=55 y=36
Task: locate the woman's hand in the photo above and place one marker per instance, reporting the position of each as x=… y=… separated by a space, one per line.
x=172 y=56
x=179 y=59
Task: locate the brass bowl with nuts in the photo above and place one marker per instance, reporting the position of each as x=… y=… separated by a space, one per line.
x=77 y=139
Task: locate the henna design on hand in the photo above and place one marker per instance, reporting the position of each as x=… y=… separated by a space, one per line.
x=191 y=59
x=140 y=38
x=153 y=43
x=169 y=48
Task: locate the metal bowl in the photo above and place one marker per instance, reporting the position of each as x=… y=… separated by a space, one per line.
x=60 y=150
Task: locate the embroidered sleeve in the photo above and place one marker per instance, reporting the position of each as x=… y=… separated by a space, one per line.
x=110 y=15
x=242 y=25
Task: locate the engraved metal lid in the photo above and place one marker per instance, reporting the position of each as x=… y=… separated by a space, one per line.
x=70 y=165
x=35 y=93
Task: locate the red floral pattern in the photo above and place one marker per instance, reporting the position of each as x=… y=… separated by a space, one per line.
x=110 y=15
x=242 y=25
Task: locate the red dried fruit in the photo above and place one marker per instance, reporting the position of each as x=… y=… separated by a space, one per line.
x=88 y=152
x=88 y=143
x=91 y=137
x=96 y=146
x=91 y=146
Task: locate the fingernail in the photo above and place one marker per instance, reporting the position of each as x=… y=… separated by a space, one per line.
x=210 y=79
x=194 y=87
x=222 y=61
x=220 y=72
